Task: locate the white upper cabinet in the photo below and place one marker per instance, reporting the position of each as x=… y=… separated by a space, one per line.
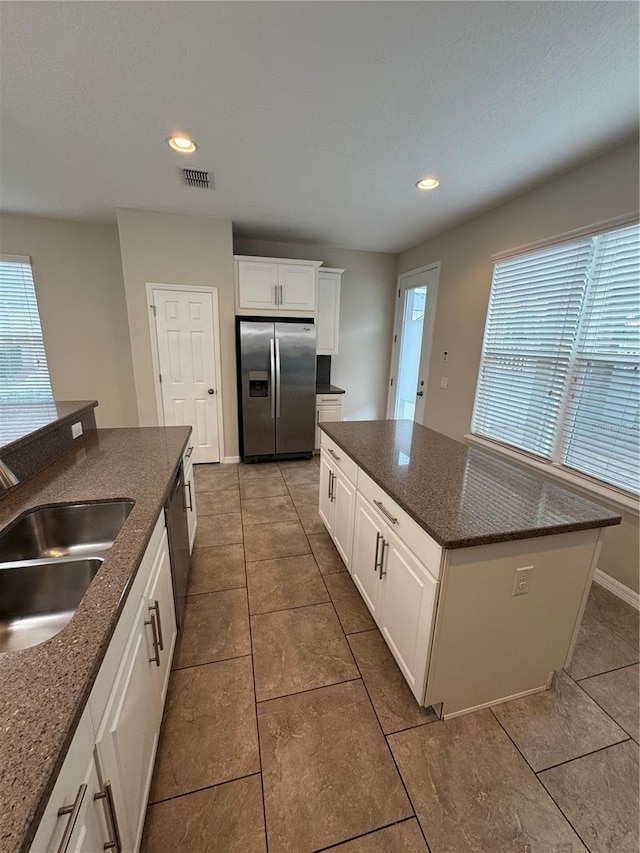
x=271 y=286
x=328 y=312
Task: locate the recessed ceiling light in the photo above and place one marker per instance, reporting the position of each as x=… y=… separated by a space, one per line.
x=428 y=184
x=182 y=144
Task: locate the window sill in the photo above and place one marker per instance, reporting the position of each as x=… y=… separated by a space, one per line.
x=588 y=487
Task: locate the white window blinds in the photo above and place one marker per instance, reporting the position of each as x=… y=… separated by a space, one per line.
x=24 y=375
x=559 y=370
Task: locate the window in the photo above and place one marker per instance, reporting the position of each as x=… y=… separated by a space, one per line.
x=24 y=375
x=559 y=375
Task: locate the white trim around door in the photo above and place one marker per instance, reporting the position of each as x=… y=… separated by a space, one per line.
x=155 y=356
x=422 y=276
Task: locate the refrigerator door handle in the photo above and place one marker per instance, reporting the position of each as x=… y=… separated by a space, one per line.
x=277 y=378
x=273 y=376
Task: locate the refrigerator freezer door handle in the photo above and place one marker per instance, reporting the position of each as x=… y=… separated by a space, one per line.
x=277 y=378
x=272 y=377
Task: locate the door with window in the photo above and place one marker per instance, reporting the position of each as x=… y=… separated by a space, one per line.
x=415 y=313
x=186 y=327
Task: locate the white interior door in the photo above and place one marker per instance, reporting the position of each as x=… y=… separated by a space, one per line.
x=415 y=313
x=186 y=327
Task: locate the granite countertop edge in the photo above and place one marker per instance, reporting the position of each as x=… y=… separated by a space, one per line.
x=329 y=389
x=23 y=815
x=451 y=544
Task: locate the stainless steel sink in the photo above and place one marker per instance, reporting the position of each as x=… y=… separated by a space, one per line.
x=61 y=531
x=39 y=597
x=48 y=559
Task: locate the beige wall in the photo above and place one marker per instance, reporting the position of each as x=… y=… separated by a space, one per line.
x=78 y=279
x=600 y=190
x=366 y=319
x=163 y=248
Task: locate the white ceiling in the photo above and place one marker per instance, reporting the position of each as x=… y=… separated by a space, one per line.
x=316 y=118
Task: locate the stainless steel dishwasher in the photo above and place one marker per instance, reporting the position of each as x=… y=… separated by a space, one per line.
x=175 y=512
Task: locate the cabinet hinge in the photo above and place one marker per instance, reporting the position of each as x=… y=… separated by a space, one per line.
x=392 y=380
x=160 y=378
x=395 y=338
x=153 y=308
x=398 y=293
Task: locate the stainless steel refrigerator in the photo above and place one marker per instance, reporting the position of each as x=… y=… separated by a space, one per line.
x=276 y=387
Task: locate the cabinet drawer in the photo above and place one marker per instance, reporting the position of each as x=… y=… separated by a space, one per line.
x=414 y=537
x=328 y=400
x=339 y=458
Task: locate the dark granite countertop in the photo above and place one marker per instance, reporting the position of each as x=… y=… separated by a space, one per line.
x=23 y=422
x=45 y=688
x=462 y=495
x=329 y=389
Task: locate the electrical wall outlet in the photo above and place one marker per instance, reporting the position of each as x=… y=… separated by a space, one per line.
x=444 y=382
x=522 y=580
x=76 y=430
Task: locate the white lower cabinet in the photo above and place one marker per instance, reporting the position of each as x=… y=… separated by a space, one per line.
x=367 y=541
x=337 y=505
x=113 y=750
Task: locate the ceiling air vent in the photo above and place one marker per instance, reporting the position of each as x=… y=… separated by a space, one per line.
x=198 y=178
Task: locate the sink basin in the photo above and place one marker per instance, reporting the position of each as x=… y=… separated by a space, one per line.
x=39 y=597
x=62 y=531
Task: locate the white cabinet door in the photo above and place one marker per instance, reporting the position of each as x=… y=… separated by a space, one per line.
x=325 y=414
x=328 y=312
x=344 y=501
x=368 y=538
x=407 y=612
x=190 y=504
x=159 y=597
x=127 y=739
x=94 y=828
x=325 y=506
x=257 y=285
x=297 y=287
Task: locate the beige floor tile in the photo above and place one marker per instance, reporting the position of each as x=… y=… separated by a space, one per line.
x=599 y=795
x=218 y=503
x=474 y=793
x=221 y=567
x=263 y=487
x=617 y=615
x=257 y=470
x=326 y=554
x=299 y=649
x=290 y=464
x=557 y=725
x=215 y=480
x=308 y=474
x=280 y=539
x=352 y=611
x=617 y=693
x=327 y=772
x=310 y=519
x=209 y=732
x=228 y=818
x=219 y=530
x=404 y=837
x=268 y=510
x=394 y=703
x=599 y=650
x=216 y=627
x=284 y=583
x=304 y=494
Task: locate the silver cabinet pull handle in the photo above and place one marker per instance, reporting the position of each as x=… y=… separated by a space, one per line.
x=156 y=607
x=379 y=538
x=383 y=571
x=386 y=512
x=332 y=452
x=107 y=795
x=188 y=487
x=189 y=452
x=275 y=298
x=330 y=479
x=73 y=811
x=281 y=294
x=156 y=645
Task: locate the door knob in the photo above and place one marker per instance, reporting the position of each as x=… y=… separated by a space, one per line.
x=211 y=391
x=420 y=394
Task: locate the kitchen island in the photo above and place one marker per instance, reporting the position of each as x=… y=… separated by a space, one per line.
x=47 y=689
x=476 y=569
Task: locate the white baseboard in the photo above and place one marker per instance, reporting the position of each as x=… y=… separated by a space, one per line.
x=496 y=701
x=617 y=588
x=230 y=460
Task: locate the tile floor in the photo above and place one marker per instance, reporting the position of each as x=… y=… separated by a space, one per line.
x=289 y=728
